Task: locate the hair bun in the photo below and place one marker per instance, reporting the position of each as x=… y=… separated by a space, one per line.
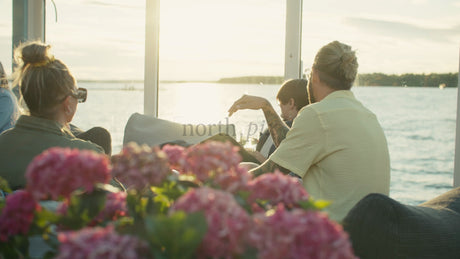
x=338 y=65
x=35 y=54
x=349 y=64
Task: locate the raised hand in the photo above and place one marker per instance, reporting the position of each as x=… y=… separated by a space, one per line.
x=248 y=102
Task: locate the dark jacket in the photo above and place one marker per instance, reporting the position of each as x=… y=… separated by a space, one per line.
x=263 y=138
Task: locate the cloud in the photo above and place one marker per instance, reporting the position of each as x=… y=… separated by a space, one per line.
x=403 y=30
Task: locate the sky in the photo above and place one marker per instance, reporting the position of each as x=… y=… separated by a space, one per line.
x=211 y=39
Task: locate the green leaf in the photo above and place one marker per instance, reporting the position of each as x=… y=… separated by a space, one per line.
x=83 y=208
x=43 y=218
x=241 y=198
x=314 y=204
x=132 y=203
x=250 y=253
x=4 y=185
x=160 y=204
x=171 y=189
x=10 y=249
x=140 y=206
x=178 y=235
x=321 y=204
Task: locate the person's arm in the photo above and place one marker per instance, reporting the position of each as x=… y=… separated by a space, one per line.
x=268 y=167
x=278 y=129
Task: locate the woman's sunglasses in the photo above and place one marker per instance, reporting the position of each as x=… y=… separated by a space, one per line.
x=80 y=94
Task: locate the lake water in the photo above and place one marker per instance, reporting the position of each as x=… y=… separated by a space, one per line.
x=419 y=123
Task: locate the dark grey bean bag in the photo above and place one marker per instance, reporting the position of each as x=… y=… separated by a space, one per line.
x=380 y=227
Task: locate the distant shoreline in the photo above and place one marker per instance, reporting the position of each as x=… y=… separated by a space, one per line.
x=372 y=79
x=127 y=81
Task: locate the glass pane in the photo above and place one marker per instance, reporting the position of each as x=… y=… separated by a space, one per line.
x=6 y=34
x=393 y=38
x=201 y=42
x=206 y=41
x=103 y=44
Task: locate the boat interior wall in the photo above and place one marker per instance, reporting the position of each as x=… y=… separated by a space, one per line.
x=381 y=227
x=147 y=129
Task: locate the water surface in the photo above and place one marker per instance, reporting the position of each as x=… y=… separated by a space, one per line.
x=419 y=123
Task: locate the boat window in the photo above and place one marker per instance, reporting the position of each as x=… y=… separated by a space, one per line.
x=205 y=46
x=408 y=52
x=6 y=33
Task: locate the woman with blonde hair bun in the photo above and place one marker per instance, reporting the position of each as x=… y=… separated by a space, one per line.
x=50 y=93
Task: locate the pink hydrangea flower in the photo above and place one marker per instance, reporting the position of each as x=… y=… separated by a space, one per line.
x=277 y=188
x=60 y=171
x=227 y=221
x=176 y=156
x=233 y=180
x=17 y=215
x=299 y=234
x=139 y=167
x=211 y=158
x=115 y=207
x=100 y=242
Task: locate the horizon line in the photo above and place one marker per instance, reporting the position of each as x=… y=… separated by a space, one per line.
x=217 y=81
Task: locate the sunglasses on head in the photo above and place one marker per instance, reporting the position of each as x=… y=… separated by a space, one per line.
x=80 y=94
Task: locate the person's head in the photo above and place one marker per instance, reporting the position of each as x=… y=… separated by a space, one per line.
x=3 y=78
x=335 y=66
x=47 y=86
x=292 y=96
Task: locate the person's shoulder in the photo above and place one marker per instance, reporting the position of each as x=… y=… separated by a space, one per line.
x=310 y=110
x=85 y=145
x=6 y=97
x=334 y=102
x=5 y=92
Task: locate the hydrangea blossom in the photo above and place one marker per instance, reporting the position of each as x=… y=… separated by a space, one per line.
x=60 y=171
x=227 y=221
x=17 y=215
x=115 y=207
x=100 y=242
x=176 y=156
x=208 y=159
x=233 y=180
x=277 y=188
x=139 y=167
x=298 y=234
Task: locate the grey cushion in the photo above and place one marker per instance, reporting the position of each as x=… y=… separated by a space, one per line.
x=381 y=227
x=144 y=129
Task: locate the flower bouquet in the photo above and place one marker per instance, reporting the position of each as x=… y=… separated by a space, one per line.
x=194 y=202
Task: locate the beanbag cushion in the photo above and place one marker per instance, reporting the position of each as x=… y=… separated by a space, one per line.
x=144 y=129
x=380 y=227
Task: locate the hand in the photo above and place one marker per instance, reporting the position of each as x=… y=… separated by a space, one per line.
x=248 y=102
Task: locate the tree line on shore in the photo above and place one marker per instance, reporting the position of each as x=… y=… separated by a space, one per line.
x=372 y=79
